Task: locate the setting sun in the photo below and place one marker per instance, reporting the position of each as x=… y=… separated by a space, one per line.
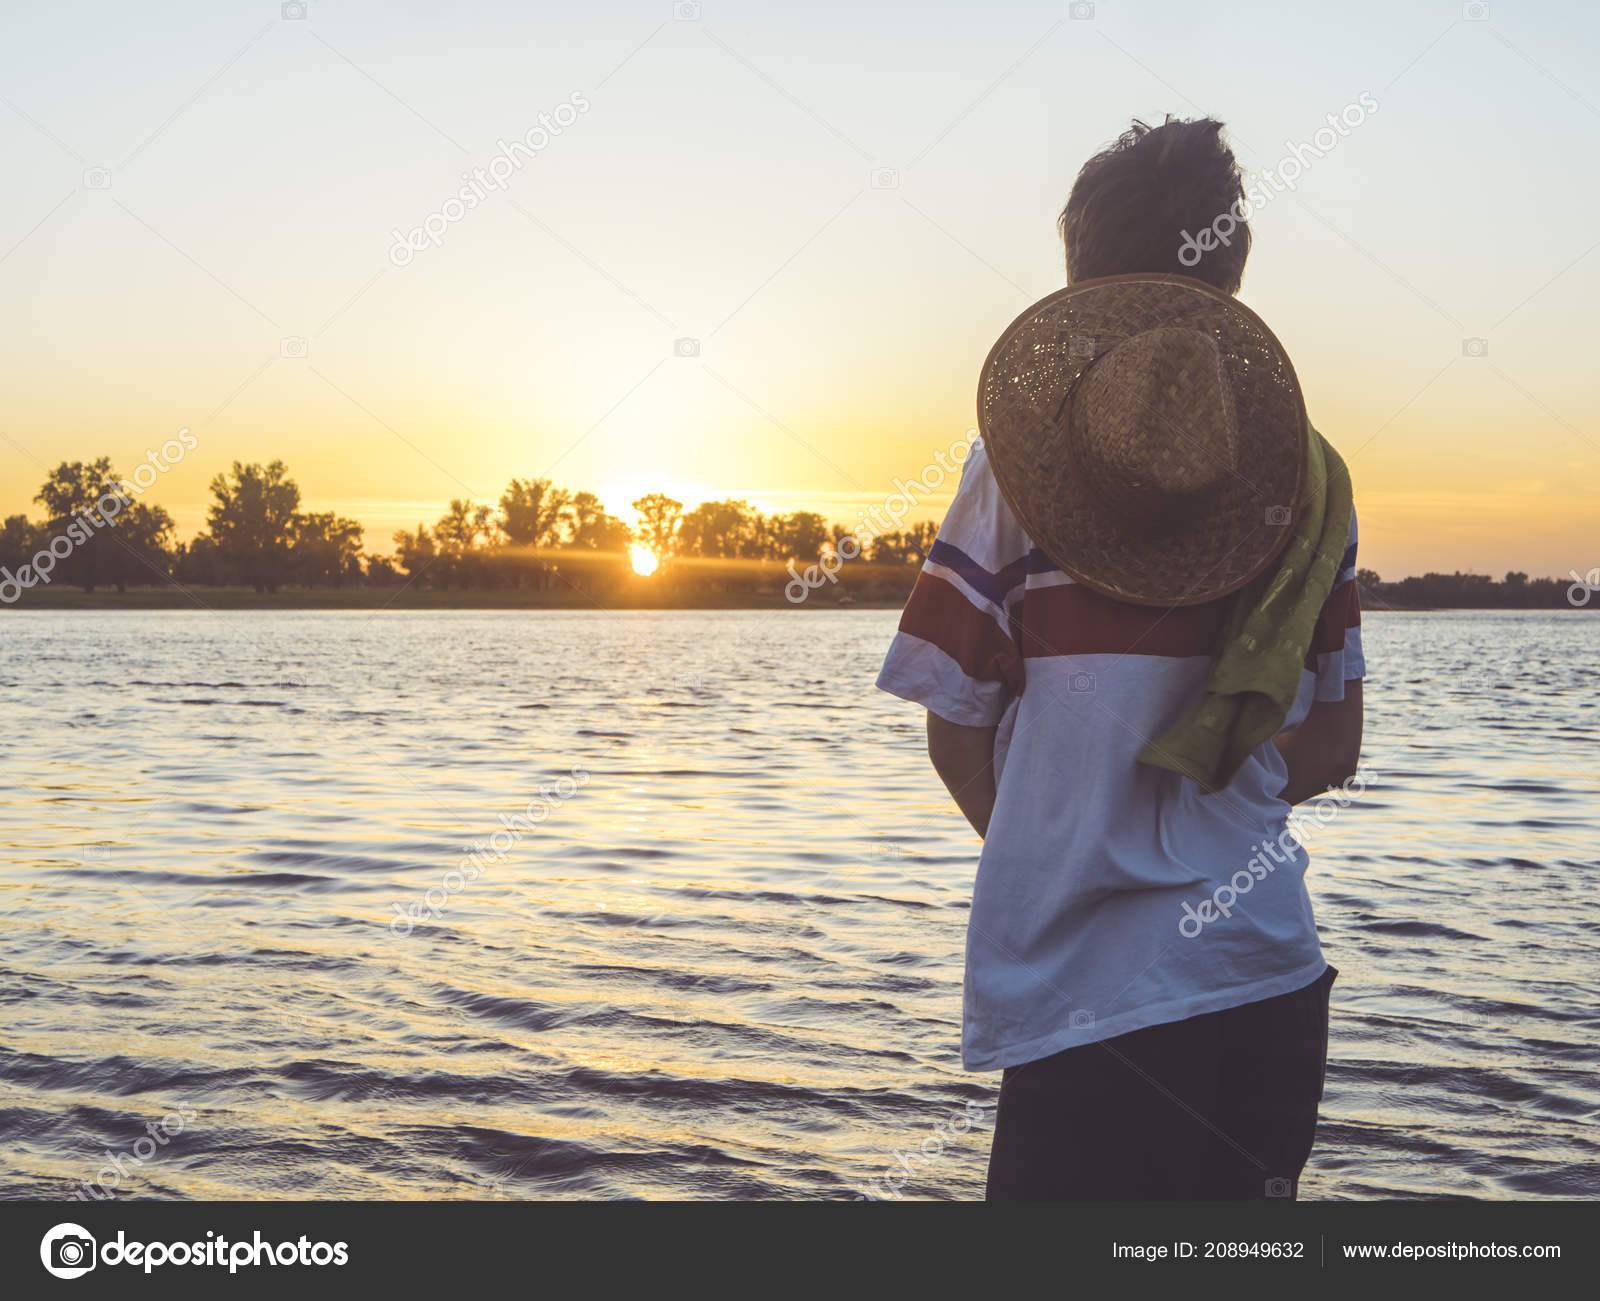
x=644 y=559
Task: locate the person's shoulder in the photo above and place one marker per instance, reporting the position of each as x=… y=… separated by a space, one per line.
x=979 y=502
x=1347 y=562
x=1353 y=512
x=1349 y=557
x=979 y=529
x=976 y=460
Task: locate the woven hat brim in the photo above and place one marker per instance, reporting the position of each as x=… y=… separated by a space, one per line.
x=1241 y=527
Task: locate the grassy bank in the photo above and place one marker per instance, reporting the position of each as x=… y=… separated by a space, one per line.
x=550 y=580
x=870 y=588
x=640 y=596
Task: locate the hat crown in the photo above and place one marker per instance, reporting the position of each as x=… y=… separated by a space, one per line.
x=1154 y=428
x=1149 y=434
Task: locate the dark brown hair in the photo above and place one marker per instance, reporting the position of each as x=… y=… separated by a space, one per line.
x=1139 y=204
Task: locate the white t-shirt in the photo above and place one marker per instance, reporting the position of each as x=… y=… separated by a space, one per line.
x=1096 y=909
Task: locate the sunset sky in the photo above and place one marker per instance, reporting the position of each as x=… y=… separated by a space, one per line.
x=841 y=204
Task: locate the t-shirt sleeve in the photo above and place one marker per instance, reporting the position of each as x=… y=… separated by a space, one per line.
x=954 y=653
x=1335 y=654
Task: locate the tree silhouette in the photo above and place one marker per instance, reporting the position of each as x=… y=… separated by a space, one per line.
x=799 y=536
x=326 y=550
x=72 y=496
x=456 y=535
x=74 y=487
x=198 y=564
x=532 y=513
x=592 y=527
x=459 y=528
x=415 y=552
x=141 y=548
x=920 y=538
x=719 y=528
x=19 y=539
x=252 y=522
x=658 y=517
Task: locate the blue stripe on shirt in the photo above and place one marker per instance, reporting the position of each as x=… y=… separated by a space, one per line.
x=992 y=586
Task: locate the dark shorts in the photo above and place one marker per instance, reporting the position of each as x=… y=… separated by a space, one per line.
x=1221 y=1107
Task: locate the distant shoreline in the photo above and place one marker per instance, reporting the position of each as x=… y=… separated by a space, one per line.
x=382 y=598
x=637 y=597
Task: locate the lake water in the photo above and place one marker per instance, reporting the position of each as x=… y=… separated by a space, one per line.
x=725 y=961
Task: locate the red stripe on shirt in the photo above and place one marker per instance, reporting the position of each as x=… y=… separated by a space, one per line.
x=1072 y=619
x=939 y=613
x=1340 y=613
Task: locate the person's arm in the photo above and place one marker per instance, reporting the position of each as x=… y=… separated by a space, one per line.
x=1325 y=749
x=964 y=759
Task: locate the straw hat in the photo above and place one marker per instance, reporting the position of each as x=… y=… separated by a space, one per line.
x=1150 y=435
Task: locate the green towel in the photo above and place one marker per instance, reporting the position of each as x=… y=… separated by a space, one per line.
x=1255 y=674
